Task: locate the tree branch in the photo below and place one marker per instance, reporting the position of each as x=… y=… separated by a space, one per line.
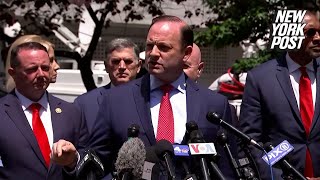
x=92 y=14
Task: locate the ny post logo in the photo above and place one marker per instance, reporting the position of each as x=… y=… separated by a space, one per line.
x=278 y=152
x=287 y=29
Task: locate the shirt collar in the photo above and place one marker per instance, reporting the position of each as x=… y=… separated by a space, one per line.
x=25 y=102
x=179 y=84
x=293 y=66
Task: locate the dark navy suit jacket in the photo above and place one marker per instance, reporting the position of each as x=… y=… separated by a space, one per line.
x=19 y=150
x=269 y=113
x=88 y=103
x=129 y=103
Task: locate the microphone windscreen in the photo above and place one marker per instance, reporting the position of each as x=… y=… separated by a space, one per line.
x=131 y=156
x=163 y=146
x=191 y=126
x=133 y=131
x=213 y=117
x=268 y=146
x=151 y=155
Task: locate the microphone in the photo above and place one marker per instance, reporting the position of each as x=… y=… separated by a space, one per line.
x=198 y=146
x=182 y=151
x=130 y=160
x=164 y=151
x=90 y=166
x=223 y=140
x=133 y=131
x=276 y=155
x=151 y=169
x=215 y=119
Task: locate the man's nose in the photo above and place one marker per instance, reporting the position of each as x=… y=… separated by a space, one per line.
x=122 y=65
x=154 y=51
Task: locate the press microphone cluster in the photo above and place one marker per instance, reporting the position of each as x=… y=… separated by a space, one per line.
x=242 y=170
x=196 y=142
x=215 y=119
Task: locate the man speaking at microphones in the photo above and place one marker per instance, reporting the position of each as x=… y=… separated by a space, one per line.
x=281 y=102
x=160 y=102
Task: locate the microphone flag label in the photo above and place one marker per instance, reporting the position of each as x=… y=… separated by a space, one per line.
x=287 y=30
x=278 y=152
x=202 y=148
x=181 y=150
x=147 y=170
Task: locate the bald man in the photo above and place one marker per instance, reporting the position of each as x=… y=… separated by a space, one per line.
x=194 y=65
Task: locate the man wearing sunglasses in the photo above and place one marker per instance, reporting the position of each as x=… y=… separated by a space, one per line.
x=281 y=102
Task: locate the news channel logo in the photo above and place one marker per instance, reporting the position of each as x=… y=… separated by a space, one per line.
x=278 y=152
x=287 y=30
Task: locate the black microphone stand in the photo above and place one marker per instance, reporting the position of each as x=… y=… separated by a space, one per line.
x=223 y=140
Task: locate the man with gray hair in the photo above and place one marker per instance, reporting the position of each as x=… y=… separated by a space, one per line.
x=122 y=64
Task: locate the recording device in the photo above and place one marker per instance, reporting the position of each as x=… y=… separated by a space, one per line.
x=164 y=151
x=89 y=167
x=151 y=169
x=130 y=160
x=133 y=131
x=215 y=119
x=278 y=153
x=198 y=146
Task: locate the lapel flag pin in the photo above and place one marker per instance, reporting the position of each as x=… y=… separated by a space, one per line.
x=58 y=110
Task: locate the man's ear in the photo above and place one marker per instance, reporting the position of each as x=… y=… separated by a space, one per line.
x=11 y=72
x=200 y=68
x=139 y=66
x=187 y=53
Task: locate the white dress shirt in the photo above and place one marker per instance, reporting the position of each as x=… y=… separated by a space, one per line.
x=178 y=100
x=45 y=114
x=295 y=75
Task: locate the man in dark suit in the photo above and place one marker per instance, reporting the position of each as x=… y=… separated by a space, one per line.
x=39 y=133
x=274 y=106
x=122 y=64
x=168 y=46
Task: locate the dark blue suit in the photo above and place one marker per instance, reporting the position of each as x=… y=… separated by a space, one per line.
x=89 y=103
x=19 y=150
x=129 y=103
x=269 y=113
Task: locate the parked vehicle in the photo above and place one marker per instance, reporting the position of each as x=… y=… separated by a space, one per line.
x=69 y=83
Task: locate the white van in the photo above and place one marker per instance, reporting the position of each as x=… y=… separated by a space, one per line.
x=69 y=83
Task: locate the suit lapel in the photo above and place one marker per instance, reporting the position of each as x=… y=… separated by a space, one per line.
x=56 y=111
x=285 y=83
x=317 y=105
x=141 y=93
x=102 y=92
x=16 y=114
x=193 y=101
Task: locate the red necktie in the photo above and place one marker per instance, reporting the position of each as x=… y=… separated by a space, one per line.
x=165 y=122
x=306 y=112
x=40 y=133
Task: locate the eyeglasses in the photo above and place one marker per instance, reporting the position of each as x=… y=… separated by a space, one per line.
x=312 y=32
